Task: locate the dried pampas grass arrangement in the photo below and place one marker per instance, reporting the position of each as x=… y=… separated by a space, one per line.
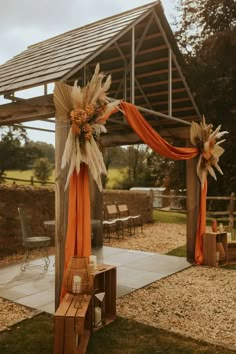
x=87 y=110
x=208 y=141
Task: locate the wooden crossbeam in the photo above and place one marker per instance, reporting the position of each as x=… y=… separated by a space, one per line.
x=36 y=108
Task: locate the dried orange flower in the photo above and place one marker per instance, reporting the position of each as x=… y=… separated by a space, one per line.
x=75 y=129
x=90 y=110
x=78 y=115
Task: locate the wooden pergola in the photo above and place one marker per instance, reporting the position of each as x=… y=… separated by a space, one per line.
x=139 y=50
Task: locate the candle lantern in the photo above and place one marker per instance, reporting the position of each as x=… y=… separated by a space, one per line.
x=78 y=279
x=99 y=309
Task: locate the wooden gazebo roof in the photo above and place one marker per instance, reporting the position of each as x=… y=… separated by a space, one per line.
x=136 y=47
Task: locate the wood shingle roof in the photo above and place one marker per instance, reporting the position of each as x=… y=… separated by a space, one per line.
x=52 y=59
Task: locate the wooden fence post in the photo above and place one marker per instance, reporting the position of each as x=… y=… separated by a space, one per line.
x=231 y=210
x=32 y=180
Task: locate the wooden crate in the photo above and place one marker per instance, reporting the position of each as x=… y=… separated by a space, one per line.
x=105 y=281
x=72 y=325
x=209 y=248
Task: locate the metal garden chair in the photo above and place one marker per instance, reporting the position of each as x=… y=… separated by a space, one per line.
x=30 y=242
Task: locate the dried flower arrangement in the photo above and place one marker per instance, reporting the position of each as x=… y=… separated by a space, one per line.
x=87 y=109
x=206 y=139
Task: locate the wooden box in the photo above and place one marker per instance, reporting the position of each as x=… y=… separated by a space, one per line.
x=210 y=241
x=72 y=325
x=105 y=281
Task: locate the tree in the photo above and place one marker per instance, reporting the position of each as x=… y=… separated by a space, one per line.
x=207 y=37
x=42 y=169
x=144 y=168
x=198 y=20
x=14 y=152
x=46 y=150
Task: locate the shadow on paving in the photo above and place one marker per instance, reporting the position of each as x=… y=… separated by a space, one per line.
x=35 y=336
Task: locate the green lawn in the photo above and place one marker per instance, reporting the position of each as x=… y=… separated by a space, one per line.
x=36 y=336
x=24 y=175
x=169 y=217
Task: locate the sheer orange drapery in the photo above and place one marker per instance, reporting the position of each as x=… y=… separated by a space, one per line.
x=78 y=237
x=150 y=137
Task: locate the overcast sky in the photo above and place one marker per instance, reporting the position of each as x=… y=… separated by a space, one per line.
x=25 y=22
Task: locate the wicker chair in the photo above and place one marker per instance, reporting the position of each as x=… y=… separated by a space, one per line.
x=30 y=242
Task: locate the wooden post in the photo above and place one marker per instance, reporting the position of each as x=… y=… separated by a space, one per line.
x=192 y=203
x=231 y=210
x=61 y=208
x=96 y=198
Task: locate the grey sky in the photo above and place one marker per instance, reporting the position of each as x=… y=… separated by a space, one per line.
x=25 y=22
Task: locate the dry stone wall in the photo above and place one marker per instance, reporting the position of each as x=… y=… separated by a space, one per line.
x=39 y=205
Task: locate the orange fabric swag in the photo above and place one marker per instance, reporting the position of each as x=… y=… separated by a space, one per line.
x=150 y=137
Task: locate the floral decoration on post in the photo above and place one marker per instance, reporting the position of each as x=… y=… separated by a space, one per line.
x=87 y=110
x=208 y=141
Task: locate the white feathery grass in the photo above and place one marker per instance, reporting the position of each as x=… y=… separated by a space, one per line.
x=68 y=149
x=211 y=171
x=78 y=157
x=62 y=100
x=99 y=128
x=72 y=166
x=77 y=96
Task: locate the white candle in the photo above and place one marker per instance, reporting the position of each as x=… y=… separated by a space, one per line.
x=76 y=284
x=93 y=262
x=97 y=316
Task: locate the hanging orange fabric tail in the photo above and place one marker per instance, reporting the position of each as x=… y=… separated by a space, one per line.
x=201 y=228
x=78 y=237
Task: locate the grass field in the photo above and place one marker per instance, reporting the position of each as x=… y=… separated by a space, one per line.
x=123 y=336
x=115 y=175
x=26 y=175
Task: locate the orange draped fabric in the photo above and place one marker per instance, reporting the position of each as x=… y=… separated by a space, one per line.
x=78 y=238
x=150 y=137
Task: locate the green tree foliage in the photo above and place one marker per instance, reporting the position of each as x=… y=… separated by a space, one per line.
x=207 y=36
x=42 y=169
x=46 y=150
x=144 y=168
x=14 y=150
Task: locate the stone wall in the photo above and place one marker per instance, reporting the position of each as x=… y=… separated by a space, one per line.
x=39 y=205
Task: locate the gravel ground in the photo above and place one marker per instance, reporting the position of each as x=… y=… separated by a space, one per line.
x=12 y=313
x=199 y=302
